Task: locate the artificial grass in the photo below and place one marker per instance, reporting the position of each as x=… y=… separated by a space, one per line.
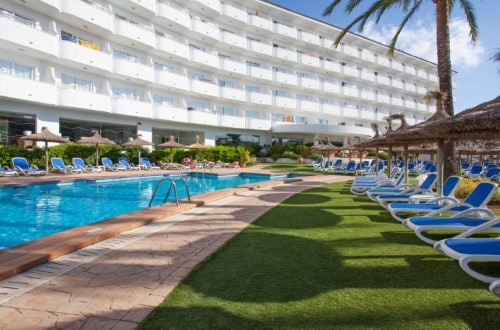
x=327 y=259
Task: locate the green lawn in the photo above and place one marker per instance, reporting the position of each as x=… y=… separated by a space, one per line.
x=327 y=259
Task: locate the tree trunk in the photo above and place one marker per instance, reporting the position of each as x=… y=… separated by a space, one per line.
x=444 y=74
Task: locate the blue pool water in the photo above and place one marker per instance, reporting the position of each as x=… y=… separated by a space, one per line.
x=34 y=211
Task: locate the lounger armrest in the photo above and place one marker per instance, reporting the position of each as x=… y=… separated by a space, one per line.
x=479 y=228
x=443 y=199
x=476 y=210
x=448 y=207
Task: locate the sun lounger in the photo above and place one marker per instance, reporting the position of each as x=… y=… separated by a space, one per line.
x=5 y=171
x=122 y=161
x=109 y=166
x=148 y=165
x=58 y=166
x=22 y=166
x=403 y=192
x=79 y=163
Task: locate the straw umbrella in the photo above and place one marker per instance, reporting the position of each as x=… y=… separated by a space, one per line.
x=171 y=144
x=137 y=142
x=97 y=140
x=46 y=136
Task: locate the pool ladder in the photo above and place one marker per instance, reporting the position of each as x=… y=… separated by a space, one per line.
x=172 y=185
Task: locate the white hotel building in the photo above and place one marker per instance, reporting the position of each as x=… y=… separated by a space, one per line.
x=226 y=70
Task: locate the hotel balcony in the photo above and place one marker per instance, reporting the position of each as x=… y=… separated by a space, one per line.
x=367 y=95
x=285 y=78
x=433 y=77
x=330 y=109
x=259 y=98
x=133 y=70
x=49 y=7
x=421 y=90
x=422 y=74
x=132 y=108
x=202 y=118
x=350 y=111
x=260 y=24
x=367 y=75
x=171 y=80
x=203 y=88
x=232 y=94
x=308 y=83
x=233 y=15
x=233 y=67
x=350 y=91
x=410 y=88
x=327 y=43
x=204 y=59
x=260 y=48
x=350 y=71
x=233 y=41
x=383 y=80
x=330 y=66
x=382 y=60
x=140 y=7
x=133 y=34
x=380 y=116
x=422 y=107
x=285 y=54
x=257 y=124
x=87 y=13
x=397 y=101
x=174 y=17
x=285 y=102
x=27 y=90
x=308 y=37
x=367 y=56
x=330 y=87
x=208 y=7
x=260 y=73
x=173 y=48
x=350 y=50
x=397 y=84
x=231 y=121
x=310 y=60
x=410 y=70
x=84 y=57
x=20 y=37
x=383 y=98
x=285 y=31
x=306 y=105
x=80 y=99
x=209 y=32
x=172 y=113
x=367 y=115
x=411 y=104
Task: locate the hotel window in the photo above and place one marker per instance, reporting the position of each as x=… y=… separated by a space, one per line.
x=227 y=57
x=226 y=83
x=16 y=69
x=300 y=119
x=194 y=105
x=278 y=117
x=322 y=121
x=279 y=69
x=358 y=125
x=163 y=67
x=120 y=54
x=253 y=64
x=323 y=100
x=252 y=89
x=163 y=100
x=278 y=92
x=16 y=17
x=124 y=93
x=225 y=111
x=68 y=81
x=252 y=114
x=302 y=97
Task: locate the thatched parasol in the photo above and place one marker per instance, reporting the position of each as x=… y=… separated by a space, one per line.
x=197 y=144
x=97 y=140
x=137 y=142
x=46 y=136
x=171 y=144
x=325 y=147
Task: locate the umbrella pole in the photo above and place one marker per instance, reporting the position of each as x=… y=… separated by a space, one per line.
x=46 y=156
x=440 y=166
x=171 y=155
x=376 y=161
x=96 y=154
x=406 y=163
x=138 y=155
x=389 y=161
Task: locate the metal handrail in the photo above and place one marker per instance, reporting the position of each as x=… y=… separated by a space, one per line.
x=172 y=185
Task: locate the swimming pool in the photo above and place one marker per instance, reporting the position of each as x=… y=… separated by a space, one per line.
x=35 y=211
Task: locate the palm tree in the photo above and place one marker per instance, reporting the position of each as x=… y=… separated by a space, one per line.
x=409 y=8
x=496 y=57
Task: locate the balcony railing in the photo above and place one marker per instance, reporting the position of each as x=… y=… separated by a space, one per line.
x=88 y=13
x=234 y=40
x=87 y=100
x=172 y=47
x=260 y=47
x=260 y=23
x=234 y=14
x=88 y=57
x=232 y=94
x=175 y=17
x=171 y=80
x=233 y=66
x=28 y=90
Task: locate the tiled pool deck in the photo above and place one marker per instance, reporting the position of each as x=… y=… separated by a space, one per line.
x=117 y=282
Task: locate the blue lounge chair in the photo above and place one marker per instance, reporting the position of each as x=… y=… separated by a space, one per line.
x=122 y=161
x=5 y=170
x=471 y=250
x=457 y=222
x=22 y=166
x=79 y=163
x=58 y=166
x=474 y=172
x=425 y=193
x=148 y=165
x=493 y=173
x=403 y=192
x=381 y=185
x=477 y=199
x=109 y=166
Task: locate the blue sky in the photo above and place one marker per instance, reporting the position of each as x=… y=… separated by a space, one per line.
x=477 y=78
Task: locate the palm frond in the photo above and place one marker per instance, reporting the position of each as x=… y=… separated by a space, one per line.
x=411 y=12
x=471 y=19
x=329 y=9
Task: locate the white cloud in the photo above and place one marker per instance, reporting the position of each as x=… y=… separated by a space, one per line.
x=420 y=40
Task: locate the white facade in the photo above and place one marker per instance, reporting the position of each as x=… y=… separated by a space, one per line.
x=210 y=66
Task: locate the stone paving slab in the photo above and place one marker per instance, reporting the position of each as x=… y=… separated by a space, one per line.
x=119 y=289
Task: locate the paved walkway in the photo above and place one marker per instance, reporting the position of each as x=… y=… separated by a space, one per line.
x=116 y=283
